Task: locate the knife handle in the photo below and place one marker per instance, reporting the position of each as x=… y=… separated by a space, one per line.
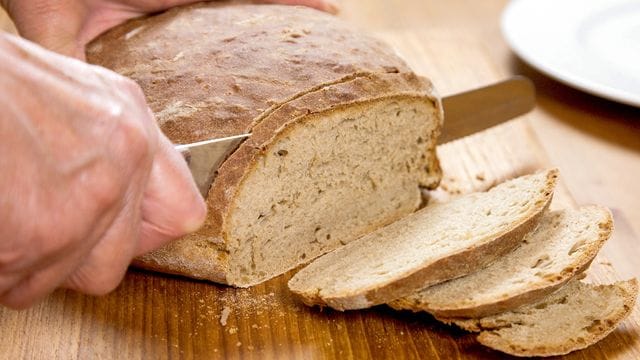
x=476 y=110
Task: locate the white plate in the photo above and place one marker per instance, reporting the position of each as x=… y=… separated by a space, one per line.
x=592 y=45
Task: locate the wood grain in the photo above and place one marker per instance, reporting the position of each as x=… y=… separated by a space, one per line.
x=595 y=143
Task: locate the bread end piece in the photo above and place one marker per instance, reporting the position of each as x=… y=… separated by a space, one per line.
x=573 y=318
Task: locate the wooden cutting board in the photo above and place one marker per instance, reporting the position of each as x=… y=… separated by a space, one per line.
x=158 y=316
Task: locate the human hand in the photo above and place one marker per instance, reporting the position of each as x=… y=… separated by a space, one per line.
x=67 y=26
x=88 y=181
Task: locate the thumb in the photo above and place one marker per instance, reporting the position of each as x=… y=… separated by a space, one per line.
x=172 y=205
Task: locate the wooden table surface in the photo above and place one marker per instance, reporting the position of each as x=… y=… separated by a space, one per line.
x=594 y=142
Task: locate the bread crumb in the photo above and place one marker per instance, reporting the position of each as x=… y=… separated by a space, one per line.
x=233 y=330
x=224 y=315
x=238 y=344
x=178 y=56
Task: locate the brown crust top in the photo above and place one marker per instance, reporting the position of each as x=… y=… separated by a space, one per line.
x=209 y=70
x=218 y=69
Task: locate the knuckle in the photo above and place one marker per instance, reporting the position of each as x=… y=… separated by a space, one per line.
x=135 y=132
x=133 y=92
x=133 y=141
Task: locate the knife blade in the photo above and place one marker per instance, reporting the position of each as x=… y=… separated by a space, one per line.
x=465 y=113
x=204 y=158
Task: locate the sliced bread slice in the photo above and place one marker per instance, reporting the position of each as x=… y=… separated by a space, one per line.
x=438 y=243
x=576 y=316
x=563 y=245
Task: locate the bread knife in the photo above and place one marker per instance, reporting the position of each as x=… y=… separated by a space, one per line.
x=475 y=110
x=204 y=158
x=465 y=114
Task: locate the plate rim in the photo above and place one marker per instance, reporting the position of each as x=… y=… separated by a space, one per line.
x=573 y=80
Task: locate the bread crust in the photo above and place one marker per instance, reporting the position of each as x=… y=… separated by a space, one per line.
x=247 y=72
x=214 y=69
x=512 y=301
x=489 y=332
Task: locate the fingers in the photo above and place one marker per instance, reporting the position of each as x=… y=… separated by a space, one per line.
x=106 y=263
x=94 y=168
x=329 y=6
x=30 y=288
x=24 y=286
x=96 y=266
x=172 y=205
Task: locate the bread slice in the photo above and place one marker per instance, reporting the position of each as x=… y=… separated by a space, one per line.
x=437 y=243
x=343 y=132
x=576 y=316
x=563 y=245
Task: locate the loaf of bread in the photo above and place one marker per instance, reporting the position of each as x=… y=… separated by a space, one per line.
x=563 y=246
x=437 y=243
x=343 y=132
x=574 y=317
x=343 y=138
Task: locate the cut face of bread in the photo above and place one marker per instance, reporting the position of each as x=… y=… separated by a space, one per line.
x=327 y=180
x=574 y=317
x=563 y=245
x=438 y=243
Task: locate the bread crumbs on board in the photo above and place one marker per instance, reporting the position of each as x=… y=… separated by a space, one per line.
x=224 y=315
